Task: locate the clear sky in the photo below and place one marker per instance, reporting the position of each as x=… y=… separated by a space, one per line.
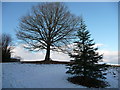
x=101 y=19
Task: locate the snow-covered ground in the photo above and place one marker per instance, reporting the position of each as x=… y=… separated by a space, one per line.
x=16 y=75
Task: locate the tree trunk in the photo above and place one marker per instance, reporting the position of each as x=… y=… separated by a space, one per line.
x=47 y=57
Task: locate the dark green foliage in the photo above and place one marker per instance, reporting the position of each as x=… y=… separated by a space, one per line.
x=85 y=56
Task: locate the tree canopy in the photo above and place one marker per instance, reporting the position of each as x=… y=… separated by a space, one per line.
x=48 y=26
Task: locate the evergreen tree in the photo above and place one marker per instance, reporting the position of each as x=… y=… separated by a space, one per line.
x=85 y=56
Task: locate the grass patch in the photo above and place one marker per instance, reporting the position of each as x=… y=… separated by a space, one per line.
x=88 y=82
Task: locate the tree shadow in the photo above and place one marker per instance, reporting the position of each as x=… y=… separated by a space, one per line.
x=88 y=82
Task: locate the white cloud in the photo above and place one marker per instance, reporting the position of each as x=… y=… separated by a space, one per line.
x=27 y=55
x=109 y=56
x=98 y=45
x=59 y=56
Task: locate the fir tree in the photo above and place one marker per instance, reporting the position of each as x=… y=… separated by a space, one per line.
x=85 y=56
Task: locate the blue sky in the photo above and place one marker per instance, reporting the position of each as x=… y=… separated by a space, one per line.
x=101 y=19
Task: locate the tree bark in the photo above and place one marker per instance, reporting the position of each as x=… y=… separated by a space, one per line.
x=47 y=57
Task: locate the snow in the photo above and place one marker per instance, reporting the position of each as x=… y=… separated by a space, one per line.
x=111 y=78
x=16 y=75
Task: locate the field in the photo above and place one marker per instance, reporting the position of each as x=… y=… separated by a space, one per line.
x=17 y=75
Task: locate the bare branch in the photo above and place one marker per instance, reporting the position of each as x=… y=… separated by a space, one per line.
x=47 y=25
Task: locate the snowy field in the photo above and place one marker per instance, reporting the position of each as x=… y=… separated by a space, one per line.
x=16 y=75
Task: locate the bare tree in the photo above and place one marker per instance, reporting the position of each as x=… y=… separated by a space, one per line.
x=6 y=47
x=49 y=26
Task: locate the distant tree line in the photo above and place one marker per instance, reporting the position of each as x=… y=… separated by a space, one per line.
x=6 y=46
